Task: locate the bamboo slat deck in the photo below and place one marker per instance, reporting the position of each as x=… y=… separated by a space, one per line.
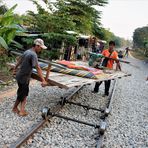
x=70 y=81
x=66 y=81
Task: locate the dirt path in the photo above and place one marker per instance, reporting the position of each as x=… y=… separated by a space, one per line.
x=12 y=91
x=8 y=93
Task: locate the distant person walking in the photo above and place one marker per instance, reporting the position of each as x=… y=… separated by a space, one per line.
x=127 y=51
x=27 y=62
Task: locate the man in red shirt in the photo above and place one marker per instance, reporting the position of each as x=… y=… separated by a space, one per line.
x=110 y=52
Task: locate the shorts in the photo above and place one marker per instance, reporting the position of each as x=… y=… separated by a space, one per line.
x=22 y=92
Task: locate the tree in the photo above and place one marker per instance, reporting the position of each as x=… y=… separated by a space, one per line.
x=38 y=22
x=3 y=9
x=96 y=2
x=76 y=15
x=81 y=12
x=140 y=37
x=76 y=12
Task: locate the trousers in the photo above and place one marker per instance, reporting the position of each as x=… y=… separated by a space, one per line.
x=107 y=86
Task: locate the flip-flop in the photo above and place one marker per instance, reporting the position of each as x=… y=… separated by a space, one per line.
x=23 y=114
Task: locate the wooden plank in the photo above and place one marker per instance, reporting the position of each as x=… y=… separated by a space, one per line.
x=50 y=82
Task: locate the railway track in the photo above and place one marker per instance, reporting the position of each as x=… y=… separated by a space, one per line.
x=49 y=113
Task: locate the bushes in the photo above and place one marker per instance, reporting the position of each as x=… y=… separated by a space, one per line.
x=54 y=42
x=50 y=55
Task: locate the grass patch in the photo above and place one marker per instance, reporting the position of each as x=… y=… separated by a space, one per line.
x=138 y=55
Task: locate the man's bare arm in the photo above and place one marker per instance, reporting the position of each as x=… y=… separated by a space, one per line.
x=19 y=60
x=39 y=71
x=118 y=66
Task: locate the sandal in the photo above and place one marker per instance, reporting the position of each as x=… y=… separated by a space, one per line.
x=23 y=114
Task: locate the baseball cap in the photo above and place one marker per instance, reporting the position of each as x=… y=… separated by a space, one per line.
x=40 y=42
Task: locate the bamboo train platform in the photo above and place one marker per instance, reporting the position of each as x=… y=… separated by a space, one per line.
x=67 y=81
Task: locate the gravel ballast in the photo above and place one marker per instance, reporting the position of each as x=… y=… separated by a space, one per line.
x=127 y=125
x=128 y=122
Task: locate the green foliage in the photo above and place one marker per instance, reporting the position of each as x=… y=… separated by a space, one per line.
x=41 y=21
x=4 y=69
x=50 y=55
x=96 y=2
x=3 y=43
x=3 y=9
x=62 y=15
x=140 y=37
x=106 y=35
x=3 y=60
x=16 y=45
x=27 y=41
x=78 y=13
x=118 y=41
x=54 y=43
x=81 y=13
x=56 y=39
x=8 y=27
x=45 y=21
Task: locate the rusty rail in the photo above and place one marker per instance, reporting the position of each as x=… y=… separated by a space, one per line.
x=21 y=140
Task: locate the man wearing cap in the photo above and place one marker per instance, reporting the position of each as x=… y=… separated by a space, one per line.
x=27 y=62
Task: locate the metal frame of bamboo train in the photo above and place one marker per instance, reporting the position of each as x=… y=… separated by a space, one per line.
x=67 y=81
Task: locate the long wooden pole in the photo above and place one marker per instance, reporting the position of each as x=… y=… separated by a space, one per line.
x=41 y=60
x=117 y=60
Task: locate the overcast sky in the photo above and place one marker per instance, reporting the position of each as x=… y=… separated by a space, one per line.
x=122 y=17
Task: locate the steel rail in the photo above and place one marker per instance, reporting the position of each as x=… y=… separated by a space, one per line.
x=112 y=95
x=99 y=139
x=21 y=140
x=26 y=136
x=59 y=106
x=55 y=110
